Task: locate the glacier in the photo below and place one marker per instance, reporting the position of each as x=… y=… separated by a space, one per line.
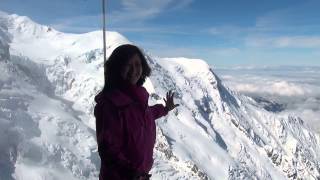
x=48 y=80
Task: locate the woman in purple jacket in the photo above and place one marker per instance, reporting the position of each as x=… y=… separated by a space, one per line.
x=125 y=124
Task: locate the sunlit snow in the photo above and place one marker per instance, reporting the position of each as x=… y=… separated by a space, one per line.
x=47 y=129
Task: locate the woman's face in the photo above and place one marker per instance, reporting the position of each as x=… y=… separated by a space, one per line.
x=132 y=70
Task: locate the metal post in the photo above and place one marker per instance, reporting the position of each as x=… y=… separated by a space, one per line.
x=104 y=30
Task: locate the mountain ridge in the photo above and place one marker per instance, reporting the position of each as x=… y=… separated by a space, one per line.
x=197 y=141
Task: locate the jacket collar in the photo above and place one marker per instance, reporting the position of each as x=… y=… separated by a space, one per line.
x=128 y=95
x=118 y=98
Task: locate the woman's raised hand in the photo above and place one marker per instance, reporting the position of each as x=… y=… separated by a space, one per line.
x=169 y=101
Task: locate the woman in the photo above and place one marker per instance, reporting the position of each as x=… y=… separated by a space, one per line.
x=125 y=124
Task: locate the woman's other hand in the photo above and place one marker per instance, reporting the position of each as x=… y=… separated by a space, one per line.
x=169 y=101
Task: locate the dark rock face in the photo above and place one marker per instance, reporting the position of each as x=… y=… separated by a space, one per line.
x=4 y=47
x=270 y=105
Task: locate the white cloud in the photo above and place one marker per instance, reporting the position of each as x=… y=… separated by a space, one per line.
x=164 y=49
x=130 y=17
x=140 y=10
x=292 y=26
x=85 y=23
x=245 y=88
x=284 y=42
x=229 y=30
x=281 y=88
x=295 y=17
x=298 y=88
x=223 y=51
x=287 y=89
x=137 y=5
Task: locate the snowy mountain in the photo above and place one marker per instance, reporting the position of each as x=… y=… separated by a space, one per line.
x=47 y=129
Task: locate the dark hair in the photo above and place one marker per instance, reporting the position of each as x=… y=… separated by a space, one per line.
x=117 y=61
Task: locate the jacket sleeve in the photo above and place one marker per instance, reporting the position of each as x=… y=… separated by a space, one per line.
x=158 y=111
x=111 y=137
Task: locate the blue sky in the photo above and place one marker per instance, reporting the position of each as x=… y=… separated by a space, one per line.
x=229 y=32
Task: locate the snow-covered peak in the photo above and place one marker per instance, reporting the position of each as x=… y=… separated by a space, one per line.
x=43 y=43
x=191 y=66
x=24 y=25
x=47 y=128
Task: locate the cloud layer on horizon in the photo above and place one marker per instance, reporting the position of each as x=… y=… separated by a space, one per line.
x=298 y=88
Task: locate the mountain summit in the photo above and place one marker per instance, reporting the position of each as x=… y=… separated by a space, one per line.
x=48 y=80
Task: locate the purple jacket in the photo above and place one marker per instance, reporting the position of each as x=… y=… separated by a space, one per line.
x=126 y=132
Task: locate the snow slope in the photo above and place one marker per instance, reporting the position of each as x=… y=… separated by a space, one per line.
x=47 y=85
